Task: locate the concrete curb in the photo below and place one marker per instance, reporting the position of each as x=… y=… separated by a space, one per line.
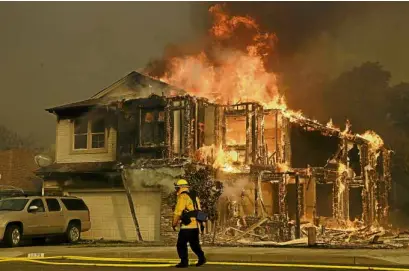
x=248 y=258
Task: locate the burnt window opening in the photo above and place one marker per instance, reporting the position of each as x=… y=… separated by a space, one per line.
x=209 y=125
x=355 y=160
x=152 y=127
x=311 y=147
x=89 y=133
x=127 y=134
x=276 y=198
x=324 y=199
x=291 y=200
x=235 y=130
x=355 y=203
x=271 y=133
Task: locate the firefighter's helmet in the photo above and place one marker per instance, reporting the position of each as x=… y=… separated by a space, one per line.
x=182 y=183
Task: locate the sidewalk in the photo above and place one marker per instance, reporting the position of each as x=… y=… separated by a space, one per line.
x=379 y=257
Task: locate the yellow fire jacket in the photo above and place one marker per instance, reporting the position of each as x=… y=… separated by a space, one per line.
x=184 y=202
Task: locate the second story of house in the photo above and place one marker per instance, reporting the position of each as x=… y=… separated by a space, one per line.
x=142 y=118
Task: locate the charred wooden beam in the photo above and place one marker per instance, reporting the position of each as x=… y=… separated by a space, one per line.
x=335 y=199
x=168 y=130
x=255 y=134
x=187 y=135
x=277 y=152
x=224 y=126
x=283 y=196
x=387 y=183
x=264 y=153
x=287 y=154
x=248 y=133
x=195 y=124
x=285 y=233
x=297 y=207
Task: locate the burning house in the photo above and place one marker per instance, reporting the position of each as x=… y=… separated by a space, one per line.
x=220 y=109
x=278 y=164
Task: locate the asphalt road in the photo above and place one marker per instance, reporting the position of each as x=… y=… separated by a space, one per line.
x=40 y=267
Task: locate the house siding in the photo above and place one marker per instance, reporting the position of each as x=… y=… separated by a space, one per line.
x=64 y=153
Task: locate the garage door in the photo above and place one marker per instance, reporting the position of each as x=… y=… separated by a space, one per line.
x=112 y=220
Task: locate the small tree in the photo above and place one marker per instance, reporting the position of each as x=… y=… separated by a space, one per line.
x=207 y=189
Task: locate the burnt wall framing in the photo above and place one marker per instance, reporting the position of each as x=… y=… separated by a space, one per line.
x=254 y=116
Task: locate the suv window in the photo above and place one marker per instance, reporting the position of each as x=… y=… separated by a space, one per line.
x=53 y=205
x=39 y=203
x=13 y=204
x=75 y=204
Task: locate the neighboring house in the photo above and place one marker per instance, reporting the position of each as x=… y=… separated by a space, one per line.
x=17 y=167
x=142 y=118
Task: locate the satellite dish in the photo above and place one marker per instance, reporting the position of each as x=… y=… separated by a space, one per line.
x=43 y=160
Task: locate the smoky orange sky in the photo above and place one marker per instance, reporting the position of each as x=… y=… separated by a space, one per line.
x=53 y=53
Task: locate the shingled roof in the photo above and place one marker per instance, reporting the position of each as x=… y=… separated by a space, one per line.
x=134 y=85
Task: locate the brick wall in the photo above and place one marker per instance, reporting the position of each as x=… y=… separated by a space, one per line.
x=17 y=168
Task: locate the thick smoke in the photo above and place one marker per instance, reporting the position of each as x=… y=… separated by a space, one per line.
x=235 y=188
x=151 y=178
x=316 y=42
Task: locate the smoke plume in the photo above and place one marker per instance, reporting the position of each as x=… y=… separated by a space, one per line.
x=148 y=178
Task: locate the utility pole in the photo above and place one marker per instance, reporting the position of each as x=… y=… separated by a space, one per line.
x=297 y=207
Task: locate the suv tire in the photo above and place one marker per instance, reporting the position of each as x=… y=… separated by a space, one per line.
x=12 y=236
x=73 y=233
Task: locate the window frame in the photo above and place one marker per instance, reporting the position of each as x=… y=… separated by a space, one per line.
x=64 y=201
x=48 y=207
x=158 y=119
x=89 y=135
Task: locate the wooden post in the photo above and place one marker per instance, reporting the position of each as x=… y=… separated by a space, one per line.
x=248 y=134
x=131 y=205
x=297 y=208
x=214 y=231
x=276 y=138
x=312 y=236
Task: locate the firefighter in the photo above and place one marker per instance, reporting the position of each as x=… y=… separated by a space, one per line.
x=189 y=227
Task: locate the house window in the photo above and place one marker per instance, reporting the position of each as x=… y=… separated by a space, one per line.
x=98 y=134
x=89 y=133
x=80 y=134
x=152 y=127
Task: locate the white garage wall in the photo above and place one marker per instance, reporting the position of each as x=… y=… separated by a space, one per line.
x=111 y=217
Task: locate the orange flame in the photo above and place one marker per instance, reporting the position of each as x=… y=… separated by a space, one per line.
x=375 y=141
x=233 y=70
x=219 y=158
x=229 y=75
x=283 y=167
x=342 y=168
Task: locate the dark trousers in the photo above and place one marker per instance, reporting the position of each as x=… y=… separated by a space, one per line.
x=191 y=236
